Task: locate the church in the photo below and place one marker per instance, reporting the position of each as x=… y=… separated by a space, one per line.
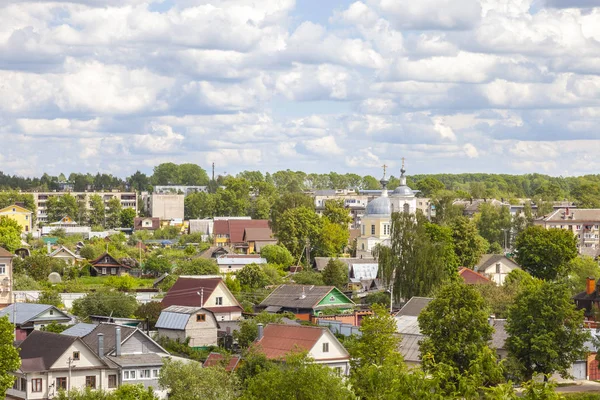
x=376 y=223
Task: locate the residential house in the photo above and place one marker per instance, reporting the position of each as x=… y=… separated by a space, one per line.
x=135 y=356
x=276 y=341
x=108 y=265
x=67 y=224
x=146 y=224
x=166 y=207
x=321 y=262
x=20 y=215
x=306 y=301
x=179 y=189
x=206 y=291
x=196 y=323
x=235 y=262
x=63 y=253
x=583 y=223
x=215 y=252
x=6 y=277
x=496 y=267
x=51 y=361
x=363 y=277
x=30 y=317
x=230 y=232
x=471 y=277
x=205 y=227
x=589 y=298
x=230 y=363
x=471 y=206
x=257 y=238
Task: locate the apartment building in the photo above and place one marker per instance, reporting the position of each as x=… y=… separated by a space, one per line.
x=584 y=223
x=128 y=200
x=356 y=204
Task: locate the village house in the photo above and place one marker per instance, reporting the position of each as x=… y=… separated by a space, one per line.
x=108 y=265
x=306 y=301
x=63 y=253
x=146 y=224
x=196 y=323
x=235 y=262
x=206 y=291
x=20 y=215
x=30 y=317
x=496 y=267
x=471 y=277
x=230 y=232
x=6 y=278
x=257 y=238
x=276 y=341
x=68 y=225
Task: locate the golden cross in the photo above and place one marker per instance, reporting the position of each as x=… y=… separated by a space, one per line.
x=384 y=169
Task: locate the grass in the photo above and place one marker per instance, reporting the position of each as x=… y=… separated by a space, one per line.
x=98 y=282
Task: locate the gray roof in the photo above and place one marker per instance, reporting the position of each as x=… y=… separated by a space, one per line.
x=79 y=330
x=363 y=271
x=26 y=312
x=321 y=262
x=380 y=206
x=40 y=350
x=224 y=260
x=177 y=317
x=403 y=190
x=499 y=336
x=409 y=347
x=407 y=325
x=135 y=360
x=109 y=332
x=298 y=296
x=489 y=259
x=414 y=306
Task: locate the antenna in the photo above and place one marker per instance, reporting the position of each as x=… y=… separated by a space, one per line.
x=201 y=294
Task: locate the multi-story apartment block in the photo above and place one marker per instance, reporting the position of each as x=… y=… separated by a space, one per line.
x=167 y=207
x=128 y=200
x=356 y=204
x=179 y=189
x=584 y=223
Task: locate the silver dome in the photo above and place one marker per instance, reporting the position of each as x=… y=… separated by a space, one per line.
x=403 y=190
x=379 y=206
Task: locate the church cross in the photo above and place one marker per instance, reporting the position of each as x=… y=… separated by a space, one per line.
x=384 y=169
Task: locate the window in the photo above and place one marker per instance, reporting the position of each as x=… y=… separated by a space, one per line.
x=36 y=385
x=332 y=299
x=61 y=383
x=14 y=209
x=372 y=229
x=155 y=373
x=362 y=246
x=23 y=385
x=498 y=268
x=103 y=271
x=362 y=229
x=145 y=374
x=132 y=374
x=51 y=312
x=219 y=301
x=113 y=271
x=125 y=375
x=90 y=381
x=325 y=347
x=76 y=356
x=2 y=269
x=406 y=208
x=200 y=317
x=112 y=381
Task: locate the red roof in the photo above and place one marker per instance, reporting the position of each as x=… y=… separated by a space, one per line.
x=235 y=227
x=471 y=277
x=279 y=340
x=5 y=253
x=185 y=291
x=216 y=358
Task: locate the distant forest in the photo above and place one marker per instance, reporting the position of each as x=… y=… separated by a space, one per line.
x=584 y=190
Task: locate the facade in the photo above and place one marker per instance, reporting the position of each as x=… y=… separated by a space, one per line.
x=584 y=223
x=355 y=203
x=235 y=262
x=62 y=253
x=257 y=238
x=66 y=223
x=146 y=224
x=30 y=317
x=205 y=227
x=276 y=341
x=197 y=323
x=6 y=278
x=20 y=215
x=165 y=206
x=108 y=265
x=207 y=291
x=128 y=200
x=179 y=189
x=230 y=232
x=496 y=267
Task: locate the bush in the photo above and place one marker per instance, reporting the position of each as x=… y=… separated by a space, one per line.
x=24 y=282
x=55 y=328
x=198 y=266
x=118 y=304
x=88 y=252
x=124 y=283
x=50 y=297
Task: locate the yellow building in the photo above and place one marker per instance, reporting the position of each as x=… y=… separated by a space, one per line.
x=23 y=216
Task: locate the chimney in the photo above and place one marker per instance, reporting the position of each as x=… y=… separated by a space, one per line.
x=118 y=341
x=492 y=319
x=101 y=344
x=260 y=331
x=590 y=285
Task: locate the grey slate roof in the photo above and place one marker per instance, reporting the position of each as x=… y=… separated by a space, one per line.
x=409 y=347
x=26 y=312
x=489 y=259
x=137 y=360
x=40 y=350
x=414 y=306
x=109 y=331
x=363 y=271
x=297 y=296
x=79 y=330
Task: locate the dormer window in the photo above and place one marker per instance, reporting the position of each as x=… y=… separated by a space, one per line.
x=332 y=299
x=106 y=260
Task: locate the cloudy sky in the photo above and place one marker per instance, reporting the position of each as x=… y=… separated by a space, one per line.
x=507 y=86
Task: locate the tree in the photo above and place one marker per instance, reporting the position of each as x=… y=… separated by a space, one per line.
x=252 y=277
x=275 y=254
x=581 y=268
x=494 y=223
x=189 y=381
x=288 y=201
x=127 y=218
x=166 y=174
x=10 y=234
x=445 y=210
x=157 y=264
x=123 y=392
x=88 y=252
x=97 y=212
x=546 y=332
x=468 y=244
x=39 y=266
x=117 y=304
x=248 y=331
x=50 y=297
x=545 y=253
x=296 y=226
x=200 y=205
x=10 y=360
x=456 y=328
x=382 y=298
x=192 y=175
x=197 y=266
x=55 y=327
x=308 y=277
x=113 y=214
x=335 y=274
x=150 y=311
x=333 y=238
x=297 y=379
x=429 y=186
x=138 y=181
x=337 y=213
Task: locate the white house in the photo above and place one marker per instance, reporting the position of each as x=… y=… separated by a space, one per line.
x=496 y=267
x=197 y=323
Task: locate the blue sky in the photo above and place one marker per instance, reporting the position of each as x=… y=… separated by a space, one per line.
x=507 y=86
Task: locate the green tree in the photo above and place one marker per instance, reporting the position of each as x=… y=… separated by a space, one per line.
x=197 y=266
x=248 y=331
x=445 y=210
x=10 y=360
x=113 y=213
x=297 y=379
x=252 y=276
x=333 y=238
x=382 y=298
x=546 y=332
x=55 y=327
x=455 y=326
x=494 y=223
x=127 y=218
x=117 y=304
x=138 y=181
x=157 y=264
x=308 y=277
x=88 y=252
x=296 y=226
x=10 y=234
x=97 y=210
x=275 y=254
x=39 y=266
x=200 y=205
x=192 y=175
x=288 y=201
x=337 y=213
x=150 y=311
x=545 y=253
x=50 y=297
x=468 y=244
x=335 y=274
x=429 y=186
x=581 y=268
x=189 y=381
x=166 y=174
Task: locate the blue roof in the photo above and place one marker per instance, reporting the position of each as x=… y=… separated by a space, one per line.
x=79 y=330
x=26 y=311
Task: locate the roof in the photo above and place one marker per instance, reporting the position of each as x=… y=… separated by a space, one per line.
x=40 y=350
x=414 y=306
x=235 y=227
x=63 y=248
x=380 y=206
x=185 y=291
x=111 y=262
x=363 y=271
x=214 y=359
x=321 y=262
x=79 y=330
x=297 y=296
x=407 y=325
x=471 y=277
x=5 y=253
x=26 y=312
x=491 y=259
x=566 y=215
x=110 y=336
x=176 y=317
x=134 y=360
x=409 y=347
x=208 y=253
x=279 y=340
x=499 y=336
x=224 y=309
x=137 y=223
x=16 y=207
x=258 y=234
x=242 y=260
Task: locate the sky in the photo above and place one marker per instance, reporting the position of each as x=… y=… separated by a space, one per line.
x=495 y=86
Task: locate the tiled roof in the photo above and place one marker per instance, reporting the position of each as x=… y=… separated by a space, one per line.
x=235 y=227
x=414 y=306
x=5 y=253
x=279 y=340
x=40 y=350
x=214 y=359
x=185 y=291
x=297 y=296
x=258 y=234
x=471 y=277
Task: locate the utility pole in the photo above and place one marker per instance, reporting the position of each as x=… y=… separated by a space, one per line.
x=70 y=361
x=307 y=248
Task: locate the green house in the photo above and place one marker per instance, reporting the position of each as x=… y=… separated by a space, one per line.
x=306 y=299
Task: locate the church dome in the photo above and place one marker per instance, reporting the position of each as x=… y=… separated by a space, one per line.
x=403 y=189
x=379 y=206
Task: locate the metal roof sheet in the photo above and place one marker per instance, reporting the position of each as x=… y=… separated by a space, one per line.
x=224 y=260
x=79 y=330
x=407 y=324
x=364 y=271
x=171 y=320
x=27 y=311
